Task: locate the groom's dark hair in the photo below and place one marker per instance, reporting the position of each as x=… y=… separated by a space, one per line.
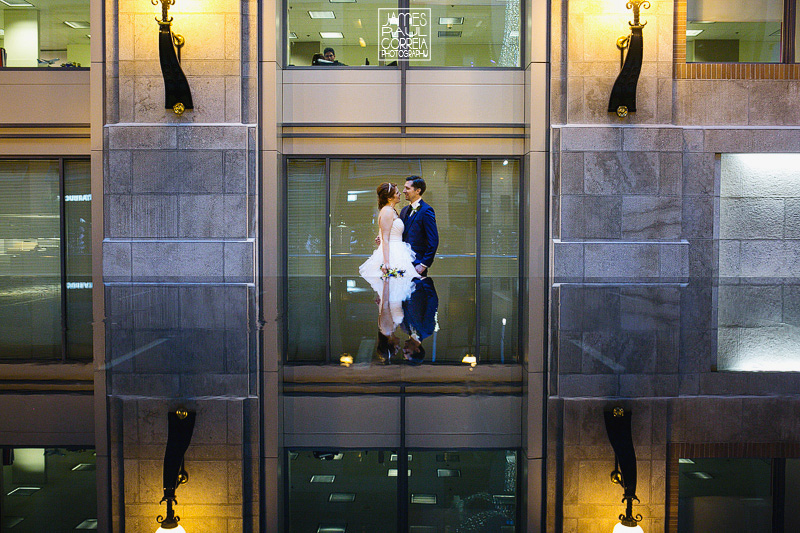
x=418 y=183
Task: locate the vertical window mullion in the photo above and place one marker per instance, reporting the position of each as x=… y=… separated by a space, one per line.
x=62 y=211
x=478 y=255
x=789 y=22
x=328 y=258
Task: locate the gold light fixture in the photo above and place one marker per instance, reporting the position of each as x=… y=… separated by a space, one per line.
x=177 y=94
x=618 y=427
x=623 y=95
x=180 y=429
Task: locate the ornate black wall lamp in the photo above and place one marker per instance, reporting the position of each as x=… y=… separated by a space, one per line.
x=618 y=427
x=181 y=426
x=623 y=95
x=177 y=95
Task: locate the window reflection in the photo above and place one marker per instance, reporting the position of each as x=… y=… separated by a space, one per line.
x=33 y=302
x=472 y=491
x=45 y=33
x=30 y=253
x=48 y=489
x=349 y=490
x=462 y=34
x=445 y=311
x=748 y=32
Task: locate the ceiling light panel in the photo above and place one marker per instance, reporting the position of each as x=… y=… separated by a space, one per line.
x=693 y=33
x=77 y=24
x=17 y=3
x=331 y=35
x=444 y=21
x=315 y=14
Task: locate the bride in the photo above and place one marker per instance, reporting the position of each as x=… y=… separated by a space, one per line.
x=389 y=270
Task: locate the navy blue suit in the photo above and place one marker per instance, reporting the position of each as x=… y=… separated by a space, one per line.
x=421 y=232
x=419 y=311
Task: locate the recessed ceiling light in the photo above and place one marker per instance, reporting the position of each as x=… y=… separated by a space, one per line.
x=323 y=479
x=83 y=467
x=17 y=3
x=89 y=523
x=23 y=491
x=429 y=499
x=292 y=35
x=444 y=21
x=693 y=33
x=393 y=472
x=332 y=529
x=700 y=475
x=78 y=24
x=318 y=14
x=331 y=35
x=343 y=1
x=685 y=461
x=448 y=472
x=338 y=497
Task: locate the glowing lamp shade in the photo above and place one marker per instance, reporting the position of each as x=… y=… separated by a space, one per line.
x=179 y=529
x=622 y=528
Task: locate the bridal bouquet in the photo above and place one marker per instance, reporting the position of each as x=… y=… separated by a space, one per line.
x=393 y=273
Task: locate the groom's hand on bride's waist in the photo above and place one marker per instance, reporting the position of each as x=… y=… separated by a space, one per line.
x=378 y=240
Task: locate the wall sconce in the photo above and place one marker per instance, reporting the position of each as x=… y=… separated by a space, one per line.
x=618 y=427
x=181 y=426
x=177 y=95
x=623 y=95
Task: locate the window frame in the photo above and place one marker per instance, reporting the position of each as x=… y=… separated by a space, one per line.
x=61 y=160
x=521 y=258
x=787 y=68
x=403 y=65
x=402 y=475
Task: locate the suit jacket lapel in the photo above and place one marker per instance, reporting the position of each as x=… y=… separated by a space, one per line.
x=413 y=216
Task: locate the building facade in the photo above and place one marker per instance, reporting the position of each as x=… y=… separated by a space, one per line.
x=587 y=261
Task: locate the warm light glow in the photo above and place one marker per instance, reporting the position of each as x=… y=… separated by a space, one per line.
x=346 y=359
x=470 y=359
x=178 y=529
x=621 y=528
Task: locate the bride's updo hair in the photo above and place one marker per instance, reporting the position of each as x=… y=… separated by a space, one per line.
x=385 y=191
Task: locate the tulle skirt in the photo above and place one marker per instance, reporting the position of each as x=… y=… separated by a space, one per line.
x=401 y=257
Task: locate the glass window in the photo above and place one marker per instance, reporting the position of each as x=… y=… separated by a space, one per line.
x=336 y=491
x=45 y=34
x=474 y=34
x=744 y=495
x=464 y=490
x=482 y=34
x=39 y=299
x=48 y=489
x=726 y=32
x=78 y=255
x=439 y=319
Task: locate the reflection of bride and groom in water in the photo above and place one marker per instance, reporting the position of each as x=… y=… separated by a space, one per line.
x=398 y=271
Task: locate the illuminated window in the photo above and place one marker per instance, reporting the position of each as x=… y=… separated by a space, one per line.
x=46 y=256
x=467 y=306
x=461 y=34
x=45 y=34
x=740 y=32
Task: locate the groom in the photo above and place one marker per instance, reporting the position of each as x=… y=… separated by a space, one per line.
x=420 y=225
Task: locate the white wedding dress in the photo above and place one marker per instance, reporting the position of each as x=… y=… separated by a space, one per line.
x=401 y=257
